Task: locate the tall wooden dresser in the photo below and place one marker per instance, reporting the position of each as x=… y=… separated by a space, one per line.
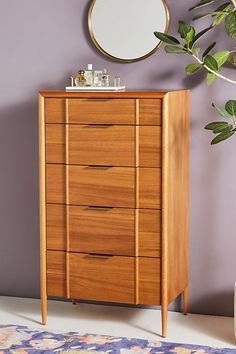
x=114 y=197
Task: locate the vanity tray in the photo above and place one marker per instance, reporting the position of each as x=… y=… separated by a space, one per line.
x=95 y=89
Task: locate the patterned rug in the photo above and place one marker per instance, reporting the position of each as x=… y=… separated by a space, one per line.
x=22 y=340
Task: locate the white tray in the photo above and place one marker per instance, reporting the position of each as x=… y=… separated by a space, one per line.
x=95 y=89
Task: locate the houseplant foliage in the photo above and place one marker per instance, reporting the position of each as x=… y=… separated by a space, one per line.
x=208 y=59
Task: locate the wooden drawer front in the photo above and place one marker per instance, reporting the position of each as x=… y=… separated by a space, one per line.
x=150 y=188
x=102 y=186
x=56 y=273
x=103 y=231
x=101 y=111
x=55 y=143
x=55 y=110
x=101 y=145
x=56 y=227
x=149 y=236
x=150 y=111
x=149 y=281
x=149 y=146
x=102 y=279
x=56 y=184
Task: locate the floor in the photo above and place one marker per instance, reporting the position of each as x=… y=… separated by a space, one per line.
x=119 y=321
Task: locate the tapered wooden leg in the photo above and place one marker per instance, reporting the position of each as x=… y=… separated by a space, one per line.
x=74 y=301
x=164 y=314
x=185 y=301
x=44 y=309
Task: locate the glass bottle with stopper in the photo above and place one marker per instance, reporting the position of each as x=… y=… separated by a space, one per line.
x=80 y=79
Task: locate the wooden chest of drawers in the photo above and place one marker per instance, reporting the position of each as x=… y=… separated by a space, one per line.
x=114 y=197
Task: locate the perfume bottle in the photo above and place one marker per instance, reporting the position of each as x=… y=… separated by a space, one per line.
x=105 y=78
x=80 y=79
x=89 y=75
x=98 y=78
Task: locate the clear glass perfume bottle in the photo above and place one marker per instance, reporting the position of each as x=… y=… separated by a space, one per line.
x=89 y=75
x=80 y=79
x=105 y=78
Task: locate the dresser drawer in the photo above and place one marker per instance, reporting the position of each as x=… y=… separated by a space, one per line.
x=103 y=231
x=104 y=186
x=102 y=278
x=98 y=186
x=101 y=111
x=102 y=145
x=55 y=110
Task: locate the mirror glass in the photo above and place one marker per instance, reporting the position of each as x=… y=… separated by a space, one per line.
x=123 y=29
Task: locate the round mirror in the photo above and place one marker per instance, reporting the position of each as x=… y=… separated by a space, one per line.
x=123 y=29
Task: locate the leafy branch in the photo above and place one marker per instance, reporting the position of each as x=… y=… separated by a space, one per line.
x=211 y=63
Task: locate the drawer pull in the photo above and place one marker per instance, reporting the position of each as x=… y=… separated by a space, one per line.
x=99 y=256
x=96 y=99
x=99 y=167
x=99 y=125
x=102 y=208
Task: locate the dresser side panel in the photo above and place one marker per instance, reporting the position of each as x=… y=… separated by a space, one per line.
x=175 y=194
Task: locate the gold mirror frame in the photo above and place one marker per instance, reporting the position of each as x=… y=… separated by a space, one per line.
x=119 y=59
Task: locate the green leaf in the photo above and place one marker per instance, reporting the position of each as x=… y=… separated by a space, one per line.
x=201 y=4
x=200 y=34
x=215 y=125
x=221 y=137
x=192 y=68
x=230 y=25
x=209 y=48
x=233 y=61
x=221 y=110
x=174 y=49
x=190 y=35
x=166 y=38
x=196 y=51
x=183 y=29
x=221 y=57
x=230 y=107
x=211 y=63
x=210 y=78
x=224 y=128
x=219 y=18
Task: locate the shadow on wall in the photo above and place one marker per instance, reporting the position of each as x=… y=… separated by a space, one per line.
x=221 y=304
x=19 y=199
x=19 y=202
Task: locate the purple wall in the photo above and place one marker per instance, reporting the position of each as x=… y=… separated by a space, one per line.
x=42 y=44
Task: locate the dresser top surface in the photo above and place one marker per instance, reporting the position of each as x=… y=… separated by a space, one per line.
x=123 y=94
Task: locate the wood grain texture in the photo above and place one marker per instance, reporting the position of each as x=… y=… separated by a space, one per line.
x=102 y=186
x=175 y=184
x=149 y=281
x=55 y=110
x=99 y=111
x=102 y=278
x=149 y=237
x=56 y=227
x=101 y=231
x=56 y=273
x=150 y=111
x=150 y=188
x=55 y=143
x=101 y=145
x=150 y=146
x=135 y=94
x=42 y=210
x=56 y=183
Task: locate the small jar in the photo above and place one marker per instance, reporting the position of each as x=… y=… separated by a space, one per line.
x=80 y=79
